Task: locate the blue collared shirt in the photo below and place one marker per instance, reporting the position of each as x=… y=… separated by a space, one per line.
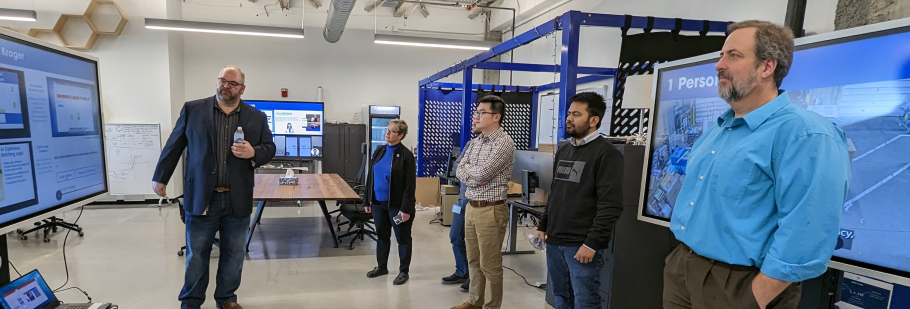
x=766 y=190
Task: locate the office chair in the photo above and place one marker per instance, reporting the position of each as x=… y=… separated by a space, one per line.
x=50 y=225
x=183 y=219
x=358 y=183
x=359 y=220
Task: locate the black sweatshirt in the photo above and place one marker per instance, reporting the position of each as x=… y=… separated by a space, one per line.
x=586 y=195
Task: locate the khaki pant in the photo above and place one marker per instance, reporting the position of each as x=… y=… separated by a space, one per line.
x=693 y=281
x=484 y=230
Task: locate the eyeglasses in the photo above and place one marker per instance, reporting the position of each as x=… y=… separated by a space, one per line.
x=478 y=114
x=390 y=131
x=222 y=81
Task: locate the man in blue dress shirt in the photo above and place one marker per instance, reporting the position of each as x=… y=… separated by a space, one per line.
x=759 y=210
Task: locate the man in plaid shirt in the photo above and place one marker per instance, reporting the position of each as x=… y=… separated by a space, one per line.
x=485 y=169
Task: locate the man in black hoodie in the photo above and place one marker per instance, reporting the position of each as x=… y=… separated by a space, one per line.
x=584 y=204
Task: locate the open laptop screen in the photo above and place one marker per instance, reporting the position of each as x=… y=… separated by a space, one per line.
x=27 y=292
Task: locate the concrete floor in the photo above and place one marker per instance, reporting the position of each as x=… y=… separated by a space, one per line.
x=129 y=257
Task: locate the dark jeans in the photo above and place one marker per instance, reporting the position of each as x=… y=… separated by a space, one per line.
x=200 y=235
x=575 y=285
x=693 y=281
x=456 y=236
x=382 y=217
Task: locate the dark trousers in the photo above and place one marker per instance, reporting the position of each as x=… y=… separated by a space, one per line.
x=693 y=281
x=575 y=285
x=200 y=236
x=382 y=217
x=456 y=237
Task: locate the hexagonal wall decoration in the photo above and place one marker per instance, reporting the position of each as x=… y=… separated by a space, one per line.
x=68 y=40
x=90 y=11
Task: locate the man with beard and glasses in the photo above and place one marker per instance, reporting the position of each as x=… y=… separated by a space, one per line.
x=759 y=209
x=218 y=184
x=584 y=204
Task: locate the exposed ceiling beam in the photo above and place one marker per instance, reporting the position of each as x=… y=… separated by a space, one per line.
x=371 y=6
x=403 y=8
x=477 y=11
x=314 y=3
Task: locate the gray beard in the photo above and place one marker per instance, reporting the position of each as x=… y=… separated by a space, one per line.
x=738 y=88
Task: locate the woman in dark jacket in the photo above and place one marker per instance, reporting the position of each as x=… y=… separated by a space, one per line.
x=390 y=197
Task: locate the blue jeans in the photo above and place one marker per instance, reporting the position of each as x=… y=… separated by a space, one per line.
x=456 y=236
x=575 y=285
x=200 y=236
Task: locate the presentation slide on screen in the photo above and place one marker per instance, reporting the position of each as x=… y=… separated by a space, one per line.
x=291 y=144
x=50 y=144
x=292 y=118
x=871 y=105
x=29 y=295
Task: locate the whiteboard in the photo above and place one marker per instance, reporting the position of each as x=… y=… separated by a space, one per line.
x=548 y=115
x=132 y=151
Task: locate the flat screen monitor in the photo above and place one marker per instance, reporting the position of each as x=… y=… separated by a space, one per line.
x=51 y=152
x=297 y=127
x=857 y=78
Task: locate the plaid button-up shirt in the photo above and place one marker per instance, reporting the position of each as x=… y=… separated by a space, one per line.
x=487 y=166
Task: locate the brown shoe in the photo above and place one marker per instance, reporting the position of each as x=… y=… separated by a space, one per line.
x=231 y=305
x=467 y=306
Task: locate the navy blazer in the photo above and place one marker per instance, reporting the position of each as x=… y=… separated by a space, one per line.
x=195 y=132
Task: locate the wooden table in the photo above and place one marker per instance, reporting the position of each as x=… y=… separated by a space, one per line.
x=310 y=187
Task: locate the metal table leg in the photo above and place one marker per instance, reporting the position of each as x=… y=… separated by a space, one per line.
x=256 y=218
x=328 y=220
x=513 y=233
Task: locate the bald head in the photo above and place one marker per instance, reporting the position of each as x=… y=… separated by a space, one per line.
x=233 y=70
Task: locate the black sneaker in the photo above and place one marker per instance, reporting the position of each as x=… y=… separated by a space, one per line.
x=465 y=286
x=401 y=279
x=454 y=279
x=376 y=272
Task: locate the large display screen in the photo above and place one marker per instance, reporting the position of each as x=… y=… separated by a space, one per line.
x=51 y=152
x=859 y=82
x=296 y=126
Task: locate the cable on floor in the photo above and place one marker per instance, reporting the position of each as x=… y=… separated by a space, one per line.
x=66 y=264
x=543 y=286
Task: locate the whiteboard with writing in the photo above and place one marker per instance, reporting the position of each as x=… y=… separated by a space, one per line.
x=132 y=151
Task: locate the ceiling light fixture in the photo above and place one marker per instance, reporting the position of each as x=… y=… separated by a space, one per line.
x=18 y=15
x=431 y=42
x=197 y=26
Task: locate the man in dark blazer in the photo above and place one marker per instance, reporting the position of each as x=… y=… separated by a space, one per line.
x=218 y=184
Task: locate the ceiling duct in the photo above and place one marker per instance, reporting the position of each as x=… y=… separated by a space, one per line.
x=339 y=12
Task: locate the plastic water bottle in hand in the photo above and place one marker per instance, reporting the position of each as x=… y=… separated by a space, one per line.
x=238 y=135
x=536 y=242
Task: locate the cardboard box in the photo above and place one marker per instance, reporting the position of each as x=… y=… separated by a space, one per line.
x=551 y=148
x=448 y=189
x=427 y=191
x=448 y=200
x=514 y=188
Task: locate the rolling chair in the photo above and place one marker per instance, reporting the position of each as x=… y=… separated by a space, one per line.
x=359 y=221
x=50 y=225
x=183 y=219
x=358 y=183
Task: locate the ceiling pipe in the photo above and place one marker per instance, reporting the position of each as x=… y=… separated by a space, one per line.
x=335 y=22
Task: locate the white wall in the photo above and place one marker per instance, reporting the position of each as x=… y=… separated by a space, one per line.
x=352 y=72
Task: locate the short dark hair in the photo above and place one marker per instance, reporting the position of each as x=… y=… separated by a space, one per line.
x=772 y=42
x=497 y=106
x=596 y=104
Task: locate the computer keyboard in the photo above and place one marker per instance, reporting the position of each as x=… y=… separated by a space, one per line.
x=79 y=306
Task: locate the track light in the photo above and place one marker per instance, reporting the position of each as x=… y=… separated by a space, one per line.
x=18 y=15
x=431 y=42
x=196 y=26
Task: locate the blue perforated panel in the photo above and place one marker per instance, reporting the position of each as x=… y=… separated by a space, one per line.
x=441 y=128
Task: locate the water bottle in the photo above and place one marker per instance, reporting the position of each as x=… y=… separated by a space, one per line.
x=238 y=135
x=536 y=242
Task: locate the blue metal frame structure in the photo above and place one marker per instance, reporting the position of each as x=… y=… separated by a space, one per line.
x=570 y=23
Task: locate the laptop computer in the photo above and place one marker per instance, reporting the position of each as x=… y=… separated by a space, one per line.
x=31 y=292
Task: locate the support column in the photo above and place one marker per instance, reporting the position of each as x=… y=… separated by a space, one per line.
x=568 y=65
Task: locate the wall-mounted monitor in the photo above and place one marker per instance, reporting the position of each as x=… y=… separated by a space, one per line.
x=297 y=127
x=51 y=152
x=860 y=80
